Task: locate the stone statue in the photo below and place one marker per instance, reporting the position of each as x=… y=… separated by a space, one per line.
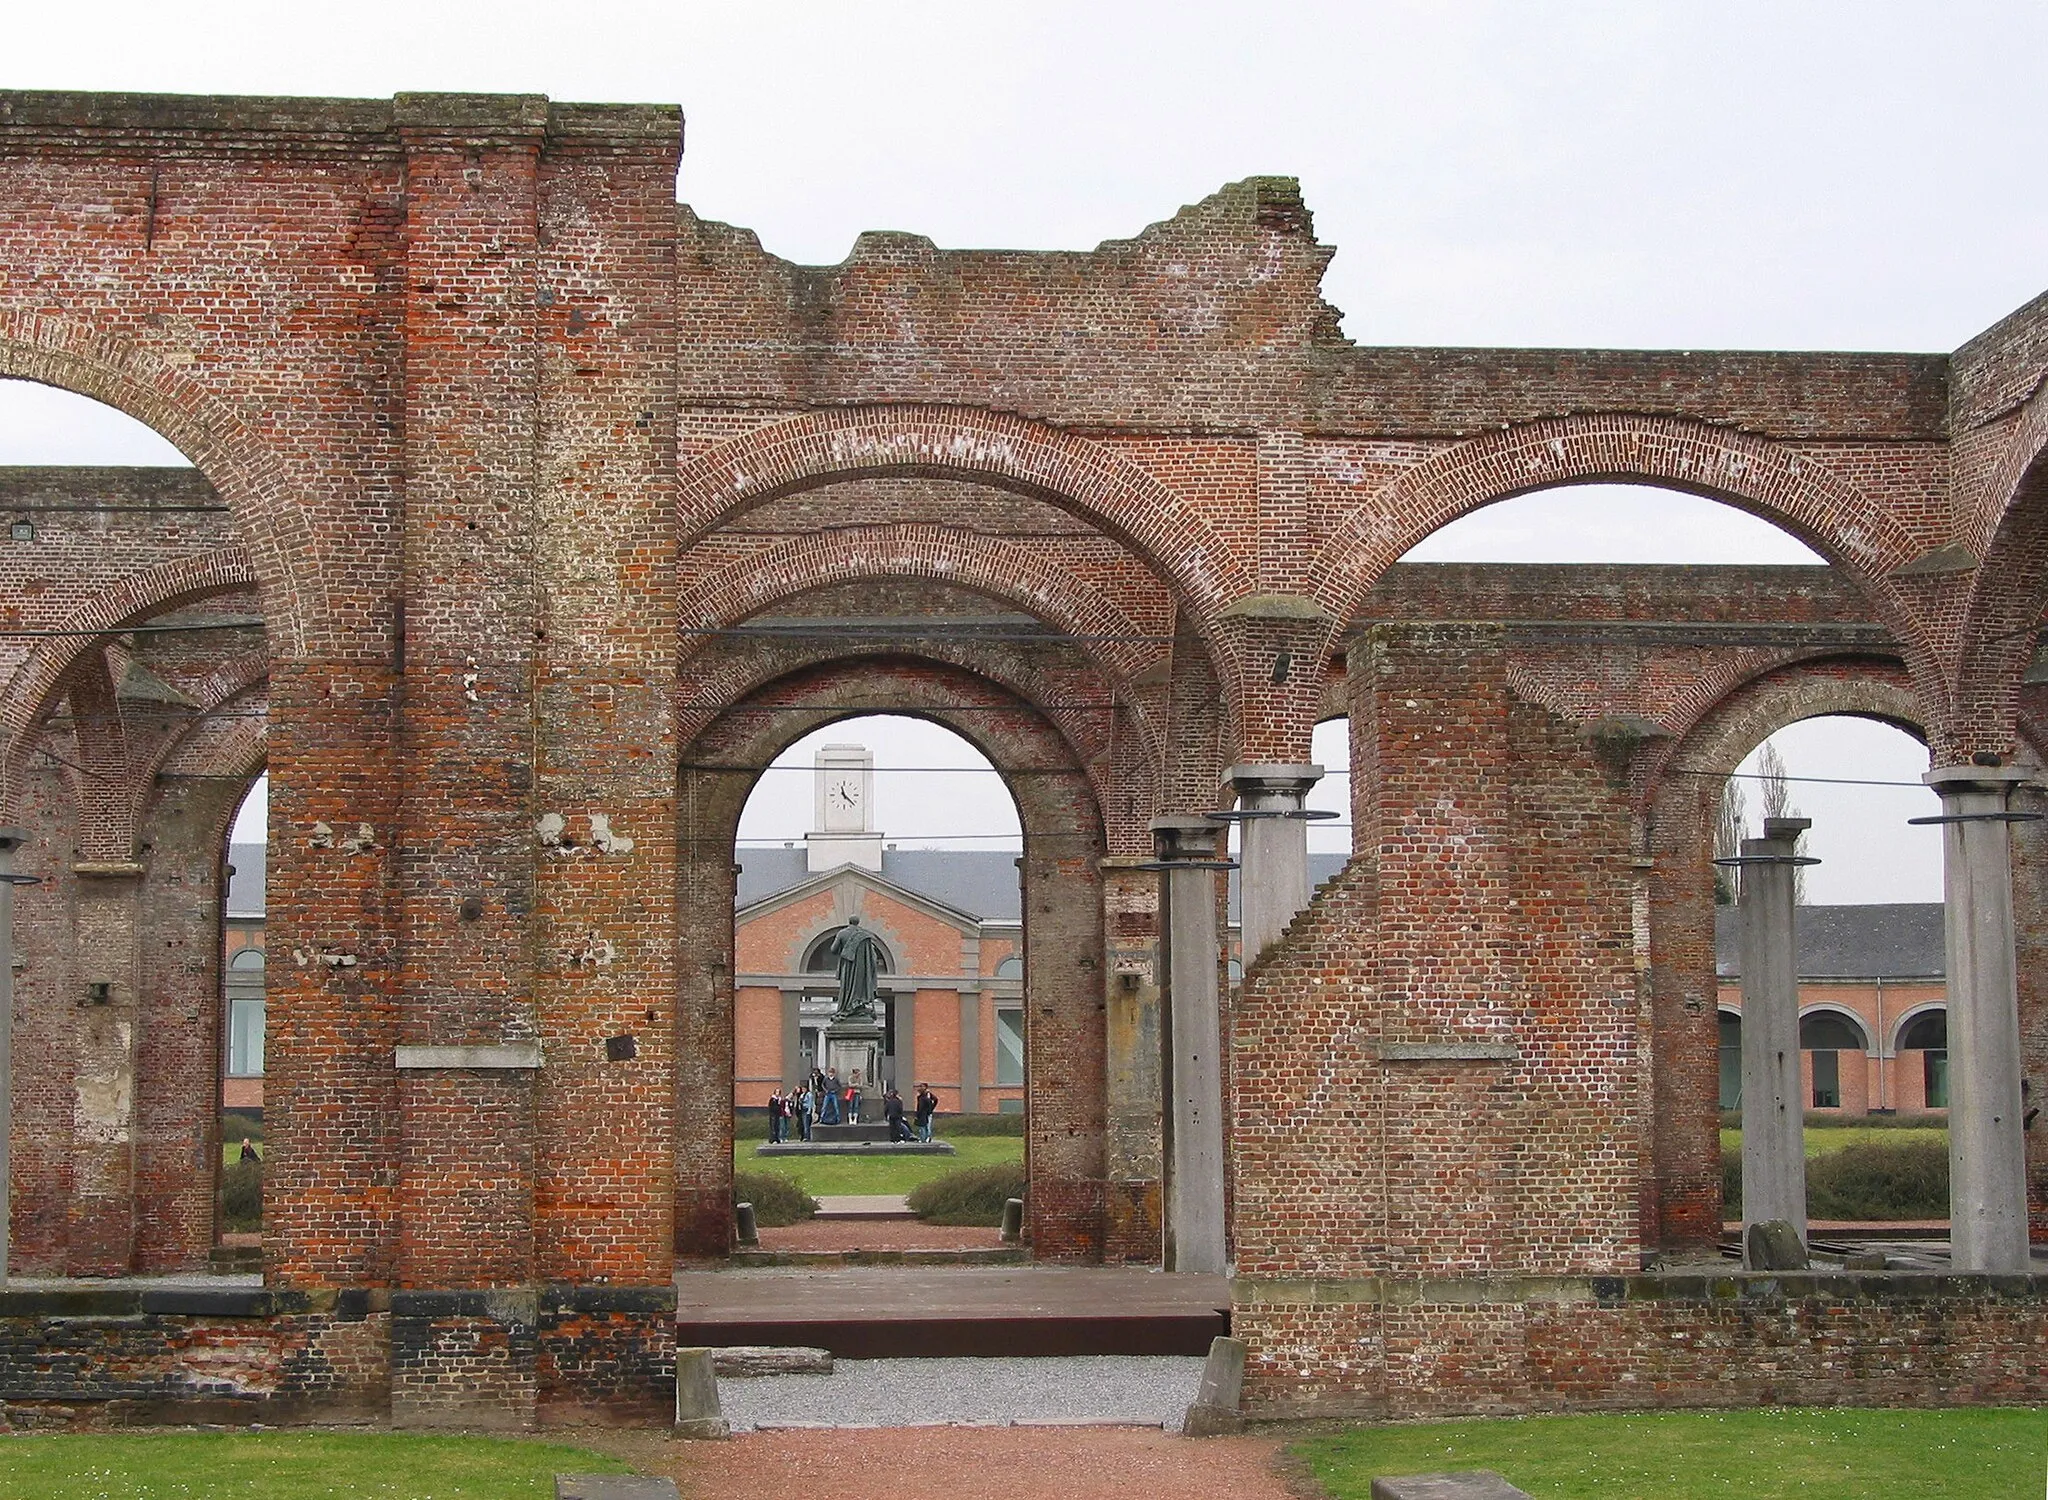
x=857 y=954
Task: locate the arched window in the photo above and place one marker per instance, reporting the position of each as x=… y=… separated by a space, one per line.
x=1927 y=1034
x=1010 y=968
x=247 y=961
x=245 y=1013
x=1827 y=1035
x=818 y=957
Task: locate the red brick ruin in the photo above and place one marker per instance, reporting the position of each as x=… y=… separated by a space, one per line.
x=550 y=513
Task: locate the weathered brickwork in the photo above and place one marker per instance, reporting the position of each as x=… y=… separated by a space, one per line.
x=532 y=514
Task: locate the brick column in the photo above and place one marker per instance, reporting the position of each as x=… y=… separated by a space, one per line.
x=1987 y=1152
x=1773 y=1108
x=1132 y=1205
x=109 y=1001
x=1196 y=1233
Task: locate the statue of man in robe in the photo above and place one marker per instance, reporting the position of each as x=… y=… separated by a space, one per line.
x=857 y=955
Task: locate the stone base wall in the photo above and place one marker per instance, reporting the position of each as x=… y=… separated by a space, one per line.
x=1392 y=1348
x=513 y=1358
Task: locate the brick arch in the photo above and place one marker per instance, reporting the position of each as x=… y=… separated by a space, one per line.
x=1788 y=488
x=1024 y=457
x=986 y=565
x=738 y=681
x=1680 y=1194
x=150 y=591
x=1064 y=932
x=242 y=468
x=2010 y=592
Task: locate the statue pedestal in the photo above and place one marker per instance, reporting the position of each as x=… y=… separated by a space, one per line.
x=854 y=1048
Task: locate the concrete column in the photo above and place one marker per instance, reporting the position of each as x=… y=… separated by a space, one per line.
x=1773 y=1111
x=792 y=1035
x=1190 y=946
x=903 y=1015
x=1273 y=885
x=1987 y=1153
x=970 y=1052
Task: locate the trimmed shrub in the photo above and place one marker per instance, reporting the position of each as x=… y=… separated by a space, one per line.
x=241 y=1197
x=1876 y=1182
x=1869 y=1183
x=944 y=1124
x=234 y=1125
x=973 y=1195
x=777 y=1199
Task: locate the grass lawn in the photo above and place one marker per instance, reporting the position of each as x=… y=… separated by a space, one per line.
x=879 y=1174
x=1833 y=1138
x=287 y=1466
x=1814 y=1454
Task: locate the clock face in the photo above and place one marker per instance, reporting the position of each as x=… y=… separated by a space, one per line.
x=844 y=793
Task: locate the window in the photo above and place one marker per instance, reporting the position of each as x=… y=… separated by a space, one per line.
x=1827 y=1080
x=245 y=1037
x=1731 y=1060
x=1010 y=968
x=1009 y=1048
x=1927 y=1034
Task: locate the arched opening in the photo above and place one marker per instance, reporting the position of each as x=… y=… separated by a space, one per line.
x=1613 y=523
x=239 y=1220
x=1923 y=1057
x=892 y=837
x=1832 y=1045
x=134 y=719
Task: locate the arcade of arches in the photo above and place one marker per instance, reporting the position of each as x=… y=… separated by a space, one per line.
x=532 y=514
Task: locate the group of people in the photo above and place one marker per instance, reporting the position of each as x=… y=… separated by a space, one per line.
x=822 y=1099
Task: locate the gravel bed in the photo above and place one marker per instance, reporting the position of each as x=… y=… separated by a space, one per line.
x=1152 y=1390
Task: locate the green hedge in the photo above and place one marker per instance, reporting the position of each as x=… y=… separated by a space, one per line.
x=777 y=1199
x=1865 y=1183
x=241 y=1197
x=1731 y=1119
x=973 y=1195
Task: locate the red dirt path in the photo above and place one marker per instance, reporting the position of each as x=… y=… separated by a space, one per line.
x=968 y=1463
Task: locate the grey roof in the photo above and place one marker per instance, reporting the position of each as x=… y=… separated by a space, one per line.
x=1903 y=941
x=981 y=882
x=245 y=883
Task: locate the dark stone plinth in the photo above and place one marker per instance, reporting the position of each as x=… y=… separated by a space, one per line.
x=613 y=1487
x=856 y=1148
x=1469 y=1484
x=871 y=1130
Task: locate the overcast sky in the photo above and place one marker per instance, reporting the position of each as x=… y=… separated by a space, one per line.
x=1742 y=175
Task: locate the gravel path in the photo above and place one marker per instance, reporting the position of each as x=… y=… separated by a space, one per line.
x=1149 y=1389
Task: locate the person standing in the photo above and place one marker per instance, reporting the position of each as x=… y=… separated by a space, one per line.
x=853 y=1101
x=831 y=1099
x=927 y=1106
x=775 y=1116
x=806 y=1111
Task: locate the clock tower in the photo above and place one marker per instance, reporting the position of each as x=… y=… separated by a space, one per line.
x=844 y=829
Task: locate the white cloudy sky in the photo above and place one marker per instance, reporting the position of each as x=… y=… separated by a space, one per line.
x=1647 y=173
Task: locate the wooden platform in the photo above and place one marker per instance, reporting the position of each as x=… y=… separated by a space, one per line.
x=906 y=1312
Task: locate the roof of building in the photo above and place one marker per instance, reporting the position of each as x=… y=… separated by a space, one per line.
x=1903 y=941
x=245 y=879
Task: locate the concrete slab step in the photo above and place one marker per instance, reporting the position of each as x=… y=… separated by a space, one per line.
x=864 y=1206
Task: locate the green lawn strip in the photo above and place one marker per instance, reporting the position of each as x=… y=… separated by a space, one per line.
x=838 y=1175
x=287 y=1466
x=1811 y=1453
x=1834 y=1138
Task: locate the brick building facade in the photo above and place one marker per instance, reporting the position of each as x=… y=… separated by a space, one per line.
x=533 y=515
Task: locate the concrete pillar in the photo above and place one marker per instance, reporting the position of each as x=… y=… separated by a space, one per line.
x=1773 y=1110
x=1987 y=1153
x=1273 y=884
x=1190 y=946
x=792 y=1035
x=903 y=1020
x=970 y=1052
